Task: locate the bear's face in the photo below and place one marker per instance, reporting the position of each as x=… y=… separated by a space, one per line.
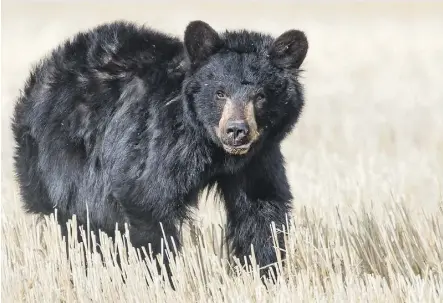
x=242 y=85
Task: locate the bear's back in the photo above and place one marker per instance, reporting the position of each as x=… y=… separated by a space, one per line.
x=88 y=73
x=116 y=47
x=73 y=94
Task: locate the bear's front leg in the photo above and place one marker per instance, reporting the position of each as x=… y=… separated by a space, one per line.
x=254 y=199
x=147 y=231
x=158 y=237
x=153 y=219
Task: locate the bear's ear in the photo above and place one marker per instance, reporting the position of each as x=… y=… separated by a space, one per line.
x=289 y=49
x=201 y=41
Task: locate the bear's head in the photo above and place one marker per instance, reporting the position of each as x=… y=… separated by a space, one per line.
x=242 y=86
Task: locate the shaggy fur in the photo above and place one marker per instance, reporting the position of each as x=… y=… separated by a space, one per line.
x=120 y=122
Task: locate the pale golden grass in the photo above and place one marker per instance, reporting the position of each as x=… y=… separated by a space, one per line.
x=353 y=259
x=365 y=164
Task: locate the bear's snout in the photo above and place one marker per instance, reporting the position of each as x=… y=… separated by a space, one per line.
x=237 y=128
x=237 y=132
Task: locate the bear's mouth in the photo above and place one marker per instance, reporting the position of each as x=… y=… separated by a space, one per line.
x=237 y=150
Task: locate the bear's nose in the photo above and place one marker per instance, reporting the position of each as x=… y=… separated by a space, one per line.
x=237 y=131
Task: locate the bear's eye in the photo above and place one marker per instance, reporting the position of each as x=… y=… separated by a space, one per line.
x=220 y=94
x=260 y=97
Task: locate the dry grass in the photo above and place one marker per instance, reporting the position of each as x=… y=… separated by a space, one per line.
x=365 y=165
x=357 y=259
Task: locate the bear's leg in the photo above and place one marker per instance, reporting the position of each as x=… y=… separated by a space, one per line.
x=254 y=199
x=159 y=239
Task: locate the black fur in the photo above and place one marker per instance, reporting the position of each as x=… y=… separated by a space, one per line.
x=118 y=121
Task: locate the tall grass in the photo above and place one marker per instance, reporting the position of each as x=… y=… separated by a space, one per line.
x=359 y=258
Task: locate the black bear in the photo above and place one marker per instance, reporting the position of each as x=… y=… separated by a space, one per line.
x=130 y=125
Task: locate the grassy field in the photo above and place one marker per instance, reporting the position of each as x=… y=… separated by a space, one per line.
x=365 y=163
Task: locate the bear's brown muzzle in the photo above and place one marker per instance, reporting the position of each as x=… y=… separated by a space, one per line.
x=237 y=128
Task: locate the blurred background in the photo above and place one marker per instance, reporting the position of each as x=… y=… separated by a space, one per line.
x=372 y=128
